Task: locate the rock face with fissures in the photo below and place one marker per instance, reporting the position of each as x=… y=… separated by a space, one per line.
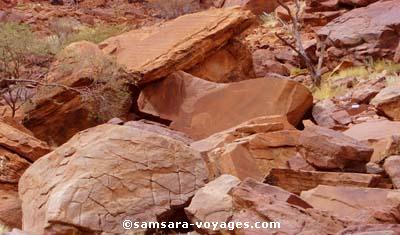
x=105 y=175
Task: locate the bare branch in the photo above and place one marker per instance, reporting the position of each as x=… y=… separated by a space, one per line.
x=315 y=70
x=35 y=82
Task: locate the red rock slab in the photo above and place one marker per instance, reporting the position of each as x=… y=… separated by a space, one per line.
x=298 y=181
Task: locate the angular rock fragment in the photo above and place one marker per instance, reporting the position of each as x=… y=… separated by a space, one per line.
x=212 y=202
x=392 y=168
x=377 y=38
x=356 y=204
x=254 y=202
x=155 y=52
x=382 y=135
x=388 y=102
x=327 y=149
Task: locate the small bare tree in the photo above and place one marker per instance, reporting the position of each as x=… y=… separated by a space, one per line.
x=314 y=67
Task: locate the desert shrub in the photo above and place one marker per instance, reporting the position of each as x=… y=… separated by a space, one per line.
x=173 y=8
x=110 y=87
x=99 y=81
x=18 y=47
x=17 y=44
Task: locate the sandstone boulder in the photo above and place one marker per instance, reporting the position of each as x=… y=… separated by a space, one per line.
x=328 y=149
x=57 y=114
x=12 y=166
x=10 y=209
x=251 y=149
x=357 y=3
x=362 y=205
x=366 y=31
x=392 y=168
x=155 y=52
x=212 y=202
x=106 y=174
x=200 y=108
x=388 y=102
x=322 y=112
x=372 y=229
x=298 y=181
x=254 y=202
x=21 y=143
x=159 y=129
x=382 y=135
x=255 y=6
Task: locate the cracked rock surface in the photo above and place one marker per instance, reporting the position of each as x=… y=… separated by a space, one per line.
x=107 y=174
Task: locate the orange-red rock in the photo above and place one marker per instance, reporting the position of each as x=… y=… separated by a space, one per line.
x=381 y=135
x=10 y=209
x=328 y=149
x=377 y=38
x=231 y=63
x=155 y=52
x=21 y=143
x=387 y=101
x=372 y=229
x=392 y=168
x=256 y=6
x=362 y=205
x=298 y=181
x=106 y=174
x=254 y=202
x=250 y=149
x=212 y=202
x=12 y=167
x=200 y=108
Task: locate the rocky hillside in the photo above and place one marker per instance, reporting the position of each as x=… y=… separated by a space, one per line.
x=188 y=112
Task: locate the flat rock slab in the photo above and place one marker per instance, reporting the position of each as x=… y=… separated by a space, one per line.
x=254 y=201
x=382 y=135
x=155 y=52
x=200 y=108
x=369 y=30
x=328 y=149
x=298 y=181
x=356 y=204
